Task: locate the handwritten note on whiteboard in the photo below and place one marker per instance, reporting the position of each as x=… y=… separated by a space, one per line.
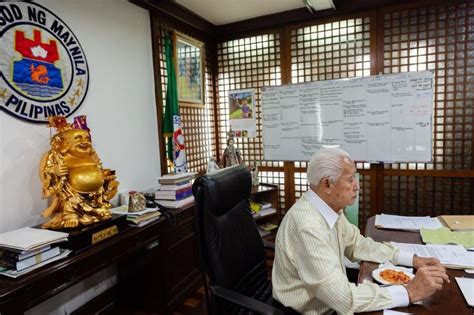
x=379 y=118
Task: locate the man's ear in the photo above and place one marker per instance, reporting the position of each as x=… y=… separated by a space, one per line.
x=326 y=185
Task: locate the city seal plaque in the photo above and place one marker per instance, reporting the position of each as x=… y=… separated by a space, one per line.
x=43 y=68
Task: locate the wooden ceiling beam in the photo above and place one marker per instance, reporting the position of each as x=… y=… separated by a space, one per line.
x=178 y=14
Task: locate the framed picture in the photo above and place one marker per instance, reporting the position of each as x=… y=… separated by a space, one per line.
x=189 y=56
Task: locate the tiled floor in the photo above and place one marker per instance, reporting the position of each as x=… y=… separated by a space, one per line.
x=193 y=305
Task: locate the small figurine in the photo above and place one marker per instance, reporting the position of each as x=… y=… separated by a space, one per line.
x=72 y=175
x=212 y=166
x=231 y=155
x=254 y=172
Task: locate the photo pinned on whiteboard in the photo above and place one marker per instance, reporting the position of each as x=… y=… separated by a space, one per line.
x=242 y=113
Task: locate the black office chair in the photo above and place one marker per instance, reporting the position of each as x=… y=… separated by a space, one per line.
x=230 y=248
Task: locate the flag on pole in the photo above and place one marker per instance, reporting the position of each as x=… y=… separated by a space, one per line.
x=172 y=121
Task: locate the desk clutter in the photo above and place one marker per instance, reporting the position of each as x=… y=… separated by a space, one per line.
x=260 y=210
x=26 y=249
x=138 y=218
x=450 y=239
x=175 y=190
x=458 y=261
x=453 y=248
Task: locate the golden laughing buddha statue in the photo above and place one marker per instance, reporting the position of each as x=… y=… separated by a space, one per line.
x=72 y=174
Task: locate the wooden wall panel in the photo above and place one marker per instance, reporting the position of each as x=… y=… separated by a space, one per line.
x=413 y=36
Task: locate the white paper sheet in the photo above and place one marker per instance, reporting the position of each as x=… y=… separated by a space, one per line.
x=448 y=255
x=410 y=223
x=390 y=312
x=467 y=288
x=29 y=238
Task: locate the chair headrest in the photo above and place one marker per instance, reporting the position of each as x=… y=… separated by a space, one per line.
x=225 y=188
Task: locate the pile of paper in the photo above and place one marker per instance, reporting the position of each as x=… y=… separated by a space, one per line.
x=30 y=238
x=138 y=218
x=451 y=256
x=27 y=249
x=445 y=236
x=406 y=223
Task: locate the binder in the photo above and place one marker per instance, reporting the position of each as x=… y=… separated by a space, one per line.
x=458 y=222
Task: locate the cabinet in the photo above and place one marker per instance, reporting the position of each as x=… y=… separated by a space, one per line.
x=165 y=270
x=267 y=193
x=157 y=265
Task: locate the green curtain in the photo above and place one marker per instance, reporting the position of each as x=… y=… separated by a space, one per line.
x=171 y=108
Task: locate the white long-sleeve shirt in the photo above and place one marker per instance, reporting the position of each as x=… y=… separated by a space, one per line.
x=309 y=273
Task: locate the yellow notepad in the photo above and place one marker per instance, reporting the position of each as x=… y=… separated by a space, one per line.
x=458 y=222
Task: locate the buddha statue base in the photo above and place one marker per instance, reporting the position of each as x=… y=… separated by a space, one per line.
x=83 y=237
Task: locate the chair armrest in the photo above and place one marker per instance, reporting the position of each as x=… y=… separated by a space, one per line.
x=268 y=245
x=245 y=301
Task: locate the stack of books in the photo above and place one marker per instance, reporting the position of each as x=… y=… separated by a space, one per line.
x=26 y=249
x=261 y=209
x=266 y=229
x=175 y=190
x=138 y=218
x=144 y=217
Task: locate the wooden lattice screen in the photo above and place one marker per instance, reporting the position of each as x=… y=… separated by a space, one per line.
x=197 y=122
x=440 y=39
x=389 y=40
x=325 y=51
x=251 y=62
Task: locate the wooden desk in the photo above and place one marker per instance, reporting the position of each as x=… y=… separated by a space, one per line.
x=167 y=255
x=447 y=301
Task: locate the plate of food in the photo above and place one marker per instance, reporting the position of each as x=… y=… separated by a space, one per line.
x=392 y=275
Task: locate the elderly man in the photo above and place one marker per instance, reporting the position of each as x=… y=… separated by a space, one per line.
x=309 y=273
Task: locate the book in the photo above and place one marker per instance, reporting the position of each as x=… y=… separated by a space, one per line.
x=267 y=226
x=15 y=273
x=174 y=204
x=265 y=205
x=30 y=238
x=263 y=232
x=175 y=178
x=173 y=195
x=145 y=222
x=124 y=210
x=264 y=212
x=176 y=187
x=143 y=217
x=19 y=255
x=30 y=261
x=458 y=222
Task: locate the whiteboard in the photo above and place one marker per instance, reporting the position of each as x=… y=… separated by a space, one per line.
x=384 y=118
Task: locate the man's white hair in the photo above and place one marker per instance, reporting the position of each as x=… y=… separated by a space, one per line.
x=327 y=162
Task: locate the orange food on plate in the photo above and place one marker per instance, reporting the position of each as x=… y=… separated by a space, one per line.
x=394 y=276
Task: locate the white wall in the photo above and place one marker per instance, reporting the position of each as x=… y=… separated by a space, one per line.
x=116 y=39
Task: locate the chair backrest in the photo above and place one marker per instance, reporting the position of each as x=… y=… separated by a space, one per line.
x=230 y=247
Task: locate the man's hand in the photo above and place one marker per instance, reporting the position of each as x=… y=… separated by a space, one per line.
x=427 y=281
x=419 y=262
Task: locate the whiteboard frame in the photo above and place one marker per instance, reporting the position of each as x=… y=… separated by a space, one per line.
x=421 y=147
